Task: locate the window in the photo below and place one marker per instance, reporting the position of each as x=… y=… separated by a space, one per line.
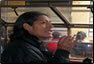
x=91 y=32
x=91 y=22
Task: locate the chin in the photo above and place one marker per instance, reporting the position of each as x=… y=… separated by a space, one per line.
x=49 y=36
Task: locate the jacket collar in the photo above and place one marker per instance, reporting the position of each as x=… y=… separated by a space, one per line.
x=31 y=39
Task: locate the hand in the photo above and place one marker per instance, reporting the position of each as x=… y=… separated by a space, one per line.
x=66 y=43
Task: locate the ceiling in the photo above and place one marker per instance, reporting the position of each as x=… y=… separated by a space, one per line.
x=60 y=11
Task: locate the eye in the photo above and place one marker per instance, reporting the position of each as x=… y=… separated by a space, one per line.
x=43 y=22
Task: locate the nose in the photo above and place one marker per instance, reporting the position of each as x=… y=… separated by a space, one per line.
x=50 y=25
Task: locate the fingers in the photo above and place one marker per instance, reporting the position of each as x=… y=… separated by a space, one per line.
x=66 y=42
x=61 y=41
x=74 y=41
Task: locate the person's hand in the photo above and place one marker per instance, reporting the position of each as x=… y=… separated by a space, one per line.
x=66 y=43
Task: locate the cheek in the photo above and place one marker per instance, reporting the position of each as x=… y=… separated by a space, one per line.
x=40 y=32
x=37 y=31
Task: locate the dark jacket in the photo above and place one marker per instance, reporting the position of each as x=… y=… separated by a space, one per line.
x=27 y=50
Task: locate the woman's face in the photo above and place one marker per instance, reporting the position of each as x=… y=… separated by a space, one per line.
x=42 y=28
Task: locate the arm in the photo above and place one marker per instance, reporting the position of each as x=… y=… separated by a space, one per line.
x=64 y=47
x=8 y=57
x=61 y=56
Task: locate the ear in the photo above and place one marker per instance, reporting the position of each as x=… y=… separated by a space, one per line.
x=27 y=27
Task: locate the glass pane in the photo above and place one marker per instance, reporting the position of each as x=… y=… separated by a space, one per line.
x=90 y=34
x=80 y=8
x=84 y=48
x=13 y=3
x=81 y=3
x=91 y=18
x=81 y=17
x=66 y=12
x=75 y=30
x=9 y=15
x=62 y=31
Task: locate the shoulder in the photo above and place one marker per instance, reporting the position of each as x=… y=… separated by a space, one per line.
x=86 y=41
x=13 y=48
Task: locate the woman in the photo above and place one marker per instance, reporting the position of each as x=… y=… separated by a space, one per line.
x=30 y=29
x=52 y=44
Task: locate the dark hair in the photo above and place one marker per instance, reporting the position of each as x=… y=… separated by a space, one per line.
x=87 y=60
x=28 y=17
x=56 y=35
x=81 y=35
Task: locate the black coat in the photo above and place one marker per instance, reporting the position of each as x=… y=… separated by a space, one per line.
x=27 y=50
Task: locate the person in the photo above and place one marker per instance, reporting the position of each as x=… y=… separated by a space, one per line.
x=1 y=49
x=52 y=44
x=87 y=60
x=80 y=49
x=82 y=37
x=30 y=29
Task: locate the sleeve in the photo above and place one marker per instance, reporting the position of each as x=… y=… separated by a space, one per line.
x=7 y=57
x=61 y=56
